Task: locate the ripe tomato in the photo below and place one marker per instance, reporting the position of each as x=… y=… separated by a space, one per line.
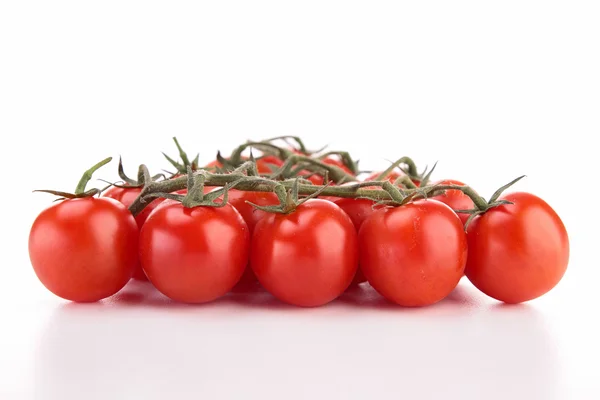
x=84 y=249
x=391 y=177
x=455 y=199
x=251 y=215
x=413 y=255
x=517 y=252
x=307 y=257
x=194 y=255
x=358 y=210
x=126 y=196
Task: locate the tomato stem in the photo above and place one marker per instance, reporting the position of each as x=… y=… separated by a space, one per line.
x=87 y=175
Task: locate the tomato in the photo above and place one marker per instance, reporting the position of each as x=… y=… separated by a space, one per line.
x=391 y=177
x=251 y=215
x=307 y=257
x=194 y=255
x=413 y=255
x=455 y=199
x=358 y=210
x=126 y=196
x=517 y=252
x=84 y=249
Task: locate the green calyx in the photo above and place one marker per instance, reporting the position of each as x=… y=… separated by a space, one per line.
x=182 y=167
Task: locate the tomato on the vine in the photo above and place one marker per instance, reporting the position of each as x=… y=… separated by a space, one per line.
x=358 y=210
x=238 y=199
x=84 y=249
x=126 y=196
x=519 y=251
x=263 y=166
x=307 y=257
x=194 y=255
x=413 y=255
x=455 y=199
x=391 y=177
x=337 y=163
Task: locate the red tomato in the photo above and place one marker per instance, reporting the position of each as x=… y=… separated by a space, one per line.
x=358 y=210
x=194 y=255
x=251 y=215
x=455 y=199
x=127 y=196
x=517 y=252
x=391 y=177
x=413 y=255
x=307 y=257
x=85 y=249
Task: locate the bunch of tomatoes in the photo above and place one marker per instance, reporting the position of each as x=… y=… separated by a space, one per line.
x=202 y=241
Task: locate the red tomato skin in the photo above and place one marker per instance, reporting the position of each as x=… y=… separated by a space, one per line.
x=127 y=196
x=517 y=252
x=84 y=250
x=194 y=255
x=307 y=257
x=238 y=198
x=358 y=210
x=455 y=199
x=413 y=255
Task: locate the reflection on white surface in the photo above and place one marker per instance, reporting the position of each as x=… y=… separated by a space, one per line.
x=140 y=345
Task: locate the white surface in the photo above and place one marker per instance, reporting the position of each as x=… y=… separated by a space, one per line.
x=491 y=90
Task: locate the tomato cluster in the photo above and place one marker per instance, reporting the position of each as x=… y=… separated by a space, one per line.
x=308 y=251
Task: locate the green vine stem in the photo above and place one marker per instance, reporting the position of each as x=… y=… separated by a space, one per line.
x=347 y=160
x=412 y=168
x=389 y=194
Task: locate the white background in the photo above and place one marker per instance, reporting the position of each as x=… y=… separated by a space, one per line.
x=491 y=90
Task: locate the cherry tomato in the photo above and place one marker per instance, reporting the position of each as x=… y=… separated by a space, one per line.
x=413 y=255
x=126 y=196
x=391 y=177
x=455 y=199
x=517 y=252
x=194 y=255
x=84 y=249
x=307 y=257
x=251 y=215
x=358 y=210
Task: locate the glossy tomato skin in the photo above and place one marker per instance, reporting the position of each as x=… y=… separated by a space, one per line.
x=414 y=255
x=84 y=250
x=126 y=196
x=455 y=199
x=307 y=257
x=358 y=210
x=517 y=252
x=194 y=255
x=238 y=199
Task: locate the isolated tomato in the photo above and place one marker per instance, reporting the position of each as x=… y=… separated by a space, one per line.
x=239 y=199
x=84 y=249
x=413 y=255
x=358 y=210
x=307 y=257
x=126 y=196
x=194 y=255
x=391 y=177
x=517 y=252
x=455 y=199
